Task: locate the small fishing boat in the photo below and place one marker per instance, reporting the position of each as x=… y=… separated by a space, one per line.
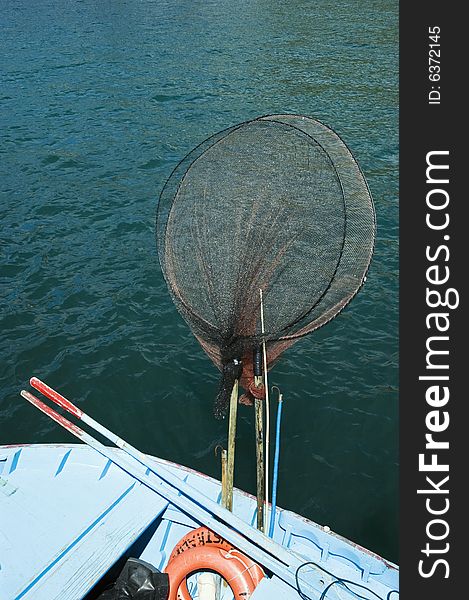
x=71 y=515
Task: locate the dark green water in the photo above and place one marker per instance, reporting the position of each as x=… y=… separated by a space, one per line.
x=98 y=101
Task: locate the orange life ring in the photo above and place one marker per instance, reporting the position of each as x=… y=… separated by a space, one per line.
x=206 y=537
x=203 y=550
x=199 y=537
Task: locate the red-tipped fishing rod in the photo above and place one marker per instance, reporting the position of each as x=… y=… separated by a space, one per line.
x=260 y=548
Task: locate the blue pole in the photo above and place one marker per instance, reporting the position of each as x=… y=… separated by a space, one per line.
x=276 y=460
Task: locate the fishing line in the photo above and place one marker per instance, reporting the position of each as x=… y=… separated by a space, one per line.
x=338 y=580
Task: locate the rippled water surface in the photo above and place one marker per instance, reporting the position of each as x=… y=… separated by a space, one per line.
x=98 y=101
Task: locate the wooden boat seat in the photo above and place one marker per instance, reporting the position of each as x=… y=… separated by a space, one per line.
x=109 y=510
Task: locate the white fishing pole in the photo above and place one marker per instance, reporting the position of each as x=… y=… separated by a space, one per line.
x=261 y=549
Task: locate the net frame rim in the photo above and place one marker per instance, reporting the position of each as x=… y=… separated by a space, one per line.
x=219 y=137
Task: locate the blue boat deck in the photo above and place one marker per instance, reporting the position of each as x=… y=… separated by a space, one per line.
x=67 y=515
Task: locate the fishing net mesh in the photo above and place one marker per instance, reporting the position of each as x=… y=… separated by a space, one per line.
x=276 y=204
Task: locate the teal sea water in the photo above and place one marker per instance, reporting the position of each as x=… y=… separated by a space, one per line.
x=98 y=102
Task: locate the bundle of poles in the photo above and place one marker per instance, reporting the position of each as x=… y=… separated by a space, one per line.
x=262 y=441
x=263 y=550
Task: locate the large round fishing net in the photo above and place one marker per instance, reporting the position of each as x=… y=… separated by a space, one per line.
x=276 y=204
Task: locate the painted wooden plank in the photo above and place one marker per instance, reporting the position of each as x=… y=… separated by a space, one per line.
x=50 y=526
x=78 y=568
